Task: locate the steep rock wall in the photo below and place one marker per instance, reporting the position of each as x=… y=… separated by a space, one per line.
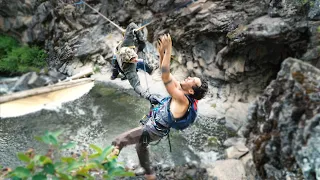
x=283 y=127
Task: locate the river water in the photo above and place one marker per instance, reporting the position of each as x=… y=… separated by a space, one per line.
x=95 y=118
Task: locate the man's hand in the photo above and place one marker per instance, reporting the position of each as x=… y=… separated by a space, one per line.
x=166 y=44
x=160 y=51
x=141 y=45
x=155 y=98
x=160 y=47
x=171 y=84
x=166 y=41
x=134 y=60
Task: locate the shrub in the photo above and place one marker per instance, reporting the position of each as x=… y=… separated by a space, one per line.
x=85 y=166
x=15 y=59
x=6 y=45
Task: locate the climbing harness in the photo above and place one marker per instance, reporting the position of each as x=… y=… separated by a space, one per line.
x=145 y=138
x=179 y=124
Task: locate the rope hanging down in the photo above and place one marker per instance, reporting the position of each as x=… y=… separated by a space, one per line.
x=145 y=75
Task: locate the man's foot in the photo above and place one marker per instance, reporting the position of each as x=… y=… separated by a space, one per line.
x=113 y=77
x=150 y=176
x=123 y=78
x=115 y=151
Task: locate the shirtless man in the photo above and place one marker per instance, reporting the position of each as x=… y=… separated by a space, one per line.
x=177 y=111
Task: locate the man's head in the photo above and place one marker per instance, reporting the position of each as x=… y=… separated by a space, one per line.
x=195 y=87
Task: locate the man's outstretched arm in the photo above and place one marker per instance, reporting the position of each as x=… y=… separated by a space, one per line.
x=161 y=51
x=171 y=84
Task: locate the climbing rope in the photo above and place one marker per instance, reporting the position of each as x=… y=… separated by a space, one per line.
x=145 y=72
x=82 y=2
x=143 y=26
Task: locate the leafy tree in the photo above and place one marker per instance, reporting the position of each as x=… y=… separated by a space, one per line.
x=6 y=45
x=100 y=164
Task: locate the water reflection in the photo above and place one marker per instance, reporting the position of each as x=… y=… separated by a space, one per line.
x=96 y=118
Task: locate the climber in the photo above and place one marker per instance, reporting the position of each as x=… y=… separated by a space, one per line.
x=177 y=111
x=127 y=59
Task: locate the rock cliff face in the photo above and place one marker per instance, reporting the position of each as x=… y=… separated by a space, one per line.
x=238 y=45
x=283 y=127
x=230 y=41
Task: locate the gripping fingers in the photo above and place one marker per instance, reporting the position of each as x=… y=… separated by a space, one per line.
x=159 y=44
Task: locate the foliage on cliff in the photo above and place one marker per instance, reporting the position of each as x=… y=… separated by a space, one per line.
x=18 y=59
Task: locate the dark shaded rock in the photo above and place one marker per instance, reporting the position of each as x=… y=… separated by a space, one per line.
x=56 y=76
x=312 y=56
x=261 y=44
x=6 y=84
x=158 y=6
x=206 y=50
x=36 y=81
x=22 y=82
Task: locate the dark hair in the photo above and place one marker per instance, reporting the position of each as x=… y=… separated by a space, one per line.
x=200 y=92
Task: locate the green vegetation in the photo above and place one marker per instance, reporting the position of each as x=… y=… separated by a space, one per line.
x=85 y=166
x=213 y=141
x=308 y=2
x=16 y=59
x=96 y=69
